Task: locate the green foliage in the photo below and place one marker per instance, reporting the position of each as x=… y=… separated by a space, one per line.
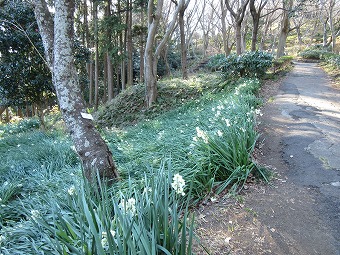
x=222 y=151
x=249 y=64
x=24 y=76
x=41 y=170
x=19 y=126
x=315 y=52
x=333 y=60
x=146 y=219
x=216 y=61
x=282 y=63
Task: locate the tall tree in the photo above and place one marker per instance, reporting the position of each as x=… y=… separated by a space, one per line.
x=238 y=17
x=287 y=6
x=153 y=51
x=58 y=37
x=183 y=42
x=129 y=44
x=256 y=15
x=96 y=54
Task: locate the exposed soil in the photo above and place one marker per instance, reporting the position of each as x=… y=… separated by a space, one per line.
x=298 y=213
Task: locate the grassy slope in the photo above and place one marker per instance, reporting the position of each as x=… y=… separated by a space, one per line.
x=36 y=165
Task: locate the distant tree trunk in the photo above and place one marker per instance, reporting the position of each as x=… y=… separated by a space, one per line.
x=89 y=69
x=324 y=35
x=151 y=56
x=7 y=115
x=2 y=109
x=244 y=28
x=224 y=28
x=141 y=45
x=129 y=45
x=256 y=15
x=331 y=24
x=96 y=57
x=108 y=59
x=238 y=19
x=110 y=90
x=104 y=96
x=57 y=37
x=122 y=46
x=284 y=28
x=20 y=114
x=184 y=60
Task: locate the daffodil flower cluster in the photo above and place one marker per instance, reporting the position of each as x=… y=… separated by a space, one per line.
x=104 y=241
x=178 y=184
x=201 y=134
x=72 y=190
x=128 y=206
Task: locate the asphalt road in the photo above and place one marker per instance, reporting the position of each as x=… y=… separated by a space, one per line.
x=301 y=132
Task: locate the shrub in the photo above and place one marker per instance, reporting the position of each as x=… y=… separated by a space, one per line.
x=315 y=53
x=282 y=63
x=249 y=64
x=222 y=151
x=334 y=60
x=19 y=126
x=216 y=61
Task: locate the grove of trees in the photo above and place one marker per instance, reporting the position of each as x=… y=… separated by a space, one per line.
x=93 y=50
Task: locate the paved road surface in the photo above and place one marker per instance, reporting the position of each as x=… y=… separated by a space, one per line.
x=301 y=128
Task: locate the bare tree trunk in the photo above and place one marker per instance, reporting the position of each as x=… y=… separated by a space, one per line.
x=238 y=19
x=105 y=67
x=129 y=44
x=284 y=28
x=122 y=45
x=109 y=78
x=151 y=55
x=331 y=24
x=93 y=152
x=20 y=114
x=2 y=109
x=244 y=28
x=7 y=115
x=224 y=28
x=256 y=15
x=141 y=47
x=96 y=57
x=91 y=83
x=184 y=60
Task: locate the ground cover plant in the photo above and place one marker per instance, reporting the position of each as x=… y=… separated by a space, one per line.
x=167 y=164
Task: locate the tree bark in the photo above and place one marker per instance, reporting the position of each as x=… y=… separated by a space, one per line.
x=184 y=60
x=96 y=56
x=151 y=56
x=224 y=28
x=256 y=15
x=93 y=152
x=331 y=24
x=141 y=45
x=284 y=28
x=238 y=19
x=129 y=45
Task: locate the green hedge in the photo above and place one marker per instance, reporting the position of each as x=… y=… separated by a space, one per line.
x=249 y=64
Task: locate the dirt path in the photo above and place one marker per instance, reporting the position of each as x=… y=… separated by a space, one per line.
x=299 y=214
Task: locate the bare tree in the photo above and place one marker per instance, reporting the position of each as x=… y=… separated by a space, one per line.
x=285 y=27
x=238 y=16
x=256 y=15
x=183 y=42
x=153 y=51
x=57 y=35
